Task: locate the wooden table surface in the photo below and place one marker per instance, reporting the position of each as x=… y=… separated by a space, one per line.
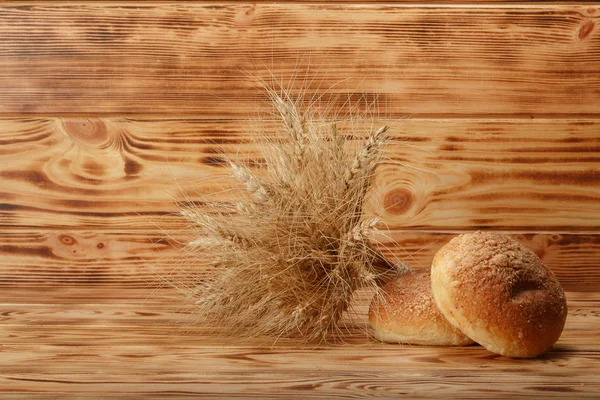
x=112 y=111
x=71 y=348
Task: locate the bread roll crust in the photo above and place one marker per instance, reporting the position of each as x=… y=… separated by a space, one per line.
x=499 y=293
x=407 y=314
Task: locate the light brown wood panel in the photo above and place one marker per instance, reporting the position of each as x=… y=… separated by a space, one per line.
x=86 y=354
x=112 y=111
x=443 y=174
x=155 y=320
x=164 y=309
x=471 y=3
x=100 y=259
x=166 y=58
x=274 y=384
x=92 y=294
x=87 y=259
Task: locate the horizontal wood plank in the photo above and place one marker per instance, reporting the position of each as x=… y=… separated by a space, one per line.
x=107 y=351
x=100 y=259
x=113 y=173
x=156 y=320
x=471 y=3
x=156 y=313
x=161 y=58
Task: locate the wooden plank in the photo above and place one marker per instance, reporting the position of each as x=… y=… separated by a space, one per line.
x=572 y=257
x=68 y=295
x=90 y=355
x=471 y=3
x=100 y=259
x=156 y=316
x=277 y=385
x=112 y=173
x=87 y=259
x=162 y=58
x=160 y=323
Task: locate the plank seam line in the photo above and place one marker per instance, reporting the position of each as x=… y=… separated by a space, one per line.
x=137 y=231
x=218 y=118
x=374 y=3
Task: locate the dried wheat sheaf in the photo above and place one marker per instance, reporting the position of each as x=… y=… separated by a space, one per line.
x=288 y=259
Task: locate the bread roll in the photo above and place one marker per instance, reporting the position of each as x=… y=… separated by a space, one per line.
x=406 y=313
x=499 y=293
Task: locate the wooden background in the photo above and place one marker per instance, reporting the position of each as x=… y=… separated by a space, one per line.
x=112 y=111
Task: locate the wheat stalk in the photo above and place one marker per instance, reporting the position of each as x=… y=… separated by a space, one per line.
x=300 y=247
x=362 y=161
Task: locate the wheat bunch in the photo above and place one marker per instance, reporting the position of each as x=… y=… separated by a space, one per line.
x=288 y=258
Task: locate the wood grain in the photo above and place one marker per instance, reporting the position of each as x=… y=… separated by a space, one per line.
x=471 y=3
x=512 y=174
x=113 y=111
x=92 y=58
x=167 y=315
x=103 y=351
x=101 y=259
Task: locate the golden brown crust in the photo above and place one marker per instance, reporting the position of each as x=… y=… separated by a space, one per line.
x=499 y=293
x=407 y=313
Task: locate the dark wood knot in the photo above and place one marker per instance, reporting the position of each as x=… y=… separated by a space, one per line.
x=398 y=201
x=86 y=130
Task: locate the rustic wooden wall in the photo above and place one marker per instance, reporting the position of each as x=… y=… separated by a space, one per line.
x=111 y=111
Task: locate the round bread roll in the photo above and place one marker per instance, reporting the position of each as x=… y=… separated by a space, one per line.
x=499 y=293
x=406 y=313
